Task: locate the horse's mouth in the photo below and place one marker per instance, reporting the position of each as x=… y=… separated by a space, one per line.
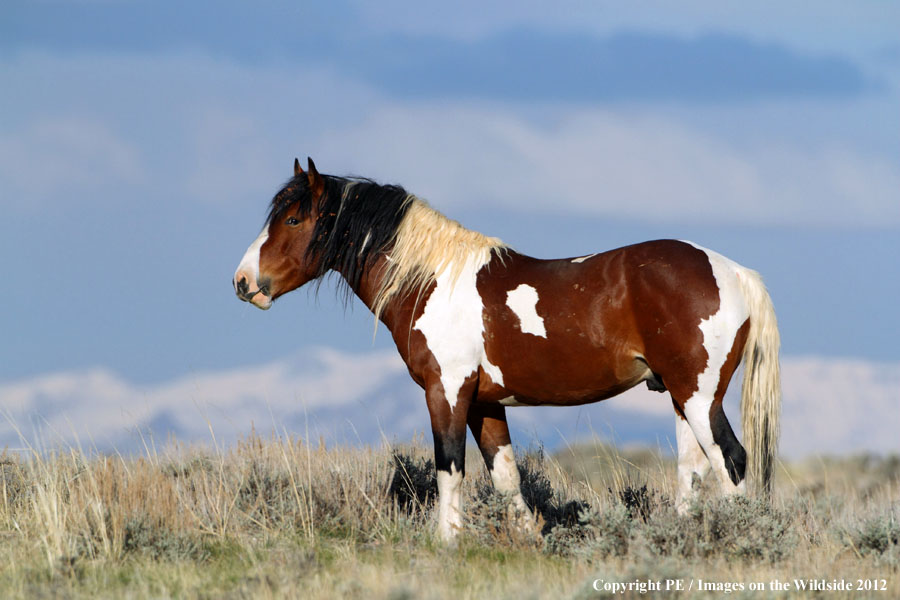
x=260 y=298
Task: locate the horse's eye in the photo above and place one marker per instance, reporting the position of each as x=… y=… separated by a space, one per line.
x=292 y=221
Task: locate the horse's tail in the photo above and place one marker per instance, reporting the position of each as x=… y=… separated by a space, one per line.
x=761 y=393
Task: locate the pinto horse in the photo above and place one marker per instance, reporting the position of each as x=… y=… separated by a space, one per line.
x=482 y=327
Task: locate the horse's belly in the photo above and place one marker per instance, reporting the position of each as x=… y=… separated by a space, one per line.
x=563 y=399
x=580 y=380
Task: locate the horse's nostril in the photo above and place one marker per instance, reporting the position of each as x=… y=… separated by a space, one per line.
x=242 y=287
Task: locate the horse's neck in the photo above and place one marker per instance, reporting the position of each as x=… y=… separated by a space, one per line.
x=399 y=310
x=369 y=285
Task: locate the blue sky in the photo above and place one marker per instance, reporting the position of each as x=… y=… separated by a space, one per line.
x=141 y=141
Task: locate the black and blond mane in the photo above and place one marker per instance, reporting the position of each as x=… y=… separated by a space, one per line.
x=359 y=219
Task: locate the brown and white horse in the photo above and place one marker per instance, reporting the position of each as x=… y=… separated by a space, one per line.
x=482 y=327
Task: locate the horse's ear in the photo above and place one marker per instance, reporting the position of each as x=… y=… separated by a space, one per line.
x=316 y=183
x=298 y=170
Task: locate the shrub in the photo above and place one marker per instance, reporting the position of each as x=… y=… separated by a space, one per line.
x=596 y=535
x=414 y=482
x=737 y=527
x=144 y=538
x=638 y=502
x=12 y=481
x=266 y=494
x=877 y=537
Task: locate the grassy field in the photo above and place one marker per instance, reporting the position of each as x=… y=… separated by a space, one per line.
x=275 y=517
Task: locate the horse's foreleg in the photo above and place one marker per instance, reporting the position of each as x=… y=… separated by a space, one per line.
x=489 y=427
x=448 y=425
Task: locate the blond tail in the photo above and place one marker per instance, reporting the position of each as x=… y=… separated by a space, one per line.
x=761 y=393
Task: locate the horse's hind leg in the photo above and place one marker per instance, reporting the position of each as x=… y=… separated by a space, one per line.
x=489 y=427
x=713 y=432
x=699 y=400
x=702 y=410
x=692 y=464
x=697 y=392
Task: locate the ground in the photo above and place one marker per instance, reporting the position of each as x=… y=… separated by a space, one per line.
x=275 y=517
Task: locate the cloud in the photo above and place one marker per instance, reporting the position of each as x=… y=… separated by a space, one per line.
x=187 y=127
x=831 y=406
x=531 y=65
x=206 y=134
x=840 y=406
x=821 y=27
x=622 y=164
x=528 y=63
x=97 y=405
x=227 y=146
x=55 y=154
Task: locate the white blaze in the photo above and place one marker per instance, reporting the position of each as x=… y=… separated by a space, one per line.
x=583 y=258
x=523 y=302
x=249 y=264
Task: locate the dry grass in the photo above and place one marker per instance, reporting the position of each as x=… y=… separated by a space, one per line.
x=277 y=517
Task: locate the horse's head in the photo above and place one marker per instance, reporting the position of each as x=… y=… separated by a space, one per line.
x=278 y=261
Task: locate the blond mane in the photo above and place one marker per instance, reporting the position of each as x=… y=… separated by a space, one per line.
x=426 y=244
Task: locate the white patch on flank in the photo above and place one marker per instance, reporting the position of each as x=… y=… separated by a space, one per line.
x=249 y=265
x=449 y=503
x=453 y=326
x=584 y=258
x=719 y=331
x=523 y=302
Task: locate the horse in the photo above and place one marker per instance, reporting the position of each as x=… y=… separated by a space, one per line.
x=482 y=327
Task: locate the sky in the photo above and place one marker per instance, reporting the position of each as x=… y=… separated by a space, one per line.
x=140 y=143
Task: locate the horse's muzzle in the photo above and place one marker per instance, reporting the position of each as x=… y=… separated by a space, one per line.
x=259 y=297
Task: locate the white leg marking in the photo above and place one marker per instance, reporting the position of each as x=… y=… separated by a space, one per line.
x=504 y=473
x=584 y=258
x=249 y=265
x=449 y=503
x=453 y=327
x=696 y=409
x=523 y=302
x=505 y=476
x=691 y=459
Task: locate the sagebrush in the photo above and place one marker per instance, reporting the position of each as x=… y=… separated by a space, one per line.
x=280 y=517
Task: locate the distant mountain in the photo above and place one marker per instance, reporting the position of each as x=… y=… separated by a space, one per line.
x=831 y=406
